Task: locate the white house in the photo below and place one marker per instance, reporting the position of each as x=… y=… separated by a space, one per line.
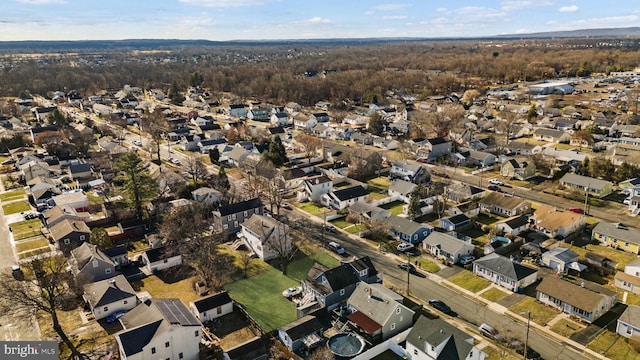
x=160 y=258
x=341 y=199
x=444 y=246
x=206 y=195
x=110 y=296
x=316 y=186
x=629 y=322
x=212 y=307
x=504 y=272
x=159 y=329
x=265 y=236
x=513 y=225
x=433 y=339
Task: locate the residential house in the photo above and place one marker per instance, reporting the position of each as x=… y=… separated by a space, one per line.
x=35 y=169
x=321 y=117
x=586 y=300
x=446 y=247
x=237 y=155
x=265 y=236
x=556 y=224
x=355 y=120
x=378 y=312
x=386 y=144
x=57 y=214
x=206 y=195
x=331 y=287
x=238 y=111
x=303 y=122
x=476 y=158
x=629 y=280
x=618 y=236
x=258 y=115
x=513 y=225
x=402 y=189
x=316 y=186
x=90 y=264
x=435 y=148
x=159 y=329
x=302 y=335
x=160 y=258
x=523 y=148
x=340 y=199
x=561 y=260
x=628 y=324
x=75 y=199
x=563 y=157
x=362 y=138
x=368 y=212
x=280 y=119
x=504 y=272
x=118 y=254
x=519 y=169
x=504 y=205
x=212 y=307
x=252 y=349
x=110 y=296
x=551 y=135
x=292 y=107
x=435 y=339
x=592 y=186
x=409 y=170
x=455 y=222
x=461 y=192
x=230 y=217
x=408 y=230
x=630 y=186
x=69 y=234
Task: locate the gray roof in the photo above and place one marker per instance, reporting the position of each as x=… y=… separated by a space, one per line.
x=302 y=327
x=376 y=301
x=351 y=193
x=618 y=231
x=212 y=301
x=261 y=225
x=373 y=212
x=502 y=201
x=446 y=242
x=587 y=297
x=86 y=252
x=108 y=291
x=516 y=221
x=457 y=344
x=401 y=186
x=631 y=316
x=549 y=132
x=404 y=225
x=408 y=165
x=504 y=266
x=584 y=181
x=562 y=254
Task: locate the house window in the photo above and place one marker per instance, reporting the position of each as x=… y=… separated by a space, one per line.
x=229 y=218
x=166 y=344
x=234 y=216
x=225 y=226
x=94 y=263
x=342 y=292
x=629 y=330
x=106 y=308
x=66 y=241
x=235 y=224
x=180 y=356
x=393 y=326
x=153 y=350
x=245 y=213
x=81 y=237
x=125 y=302
x=107 y=271
x=197 y=333
x=256 y=211
x=398 y=310
x=626 y=244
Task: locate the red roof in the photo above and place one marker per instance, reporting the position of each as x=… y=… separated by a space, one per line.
x=364 y=322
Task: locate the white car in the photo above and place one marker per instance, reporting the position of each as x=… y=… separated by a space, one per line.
x=174 y=161
x=467 y=259
x=496 y=182
x=137 y=142
x=292 y=291
x=404 y=247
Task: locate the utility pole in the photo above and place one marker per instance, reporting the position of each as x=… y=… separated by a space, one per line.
x=586 y=200
x=526 y=338
x=324 y=226
x=408 y=271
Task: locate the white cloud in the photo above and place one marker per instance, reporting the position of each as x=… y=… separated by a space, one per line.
x=315 y=20
x=509 y=5
x=569 y=9
x=443 y=10
x=595 y=23
x=368 y=12
x=393 y=17
x=224 y=3
x=391 y=7
x=42 y=2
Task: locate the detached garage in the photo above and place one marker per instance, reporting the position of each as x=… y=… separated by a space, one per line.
x=159 y=259
x=212 y=306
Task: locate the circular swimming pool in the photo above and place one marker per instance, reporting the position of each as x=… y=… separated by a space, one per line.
x=346 y=344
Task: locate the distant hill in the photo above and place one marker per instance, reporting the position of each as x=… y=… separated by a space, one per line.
x=582 y=33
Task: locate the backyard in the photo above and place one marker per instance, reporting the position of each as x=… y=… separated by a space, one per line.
x=29 y=245
x=395 y=207
x=379 y=184
x=312 y=208
x=16 y=207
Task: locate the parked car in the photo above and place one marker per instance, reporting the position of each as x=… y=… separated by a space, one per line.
x=495 y=182
x=336 y=248
x=285 y=206
x=576 y=210
x=292 y=291
x=404 y=246
x=468 y=259
x=490 y=332
x=440 y=305
x=137 y=142
x=330 y=228
x=115 y=316
x=411 y=269
x=494 y=188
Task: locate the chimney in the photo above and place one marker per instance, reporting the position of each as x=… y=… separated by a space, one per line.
x=582 y=284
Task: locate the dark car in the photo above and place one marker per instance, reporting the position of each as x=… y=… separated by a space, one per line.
x=494 y=187
x=411 y=269
x=440 y=305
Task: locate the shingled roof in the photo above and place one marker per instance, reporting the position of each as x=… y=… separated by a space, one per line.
x=504 y=266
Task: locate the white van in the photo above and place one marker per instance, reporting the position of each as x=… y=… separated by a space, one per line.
x=337 y=248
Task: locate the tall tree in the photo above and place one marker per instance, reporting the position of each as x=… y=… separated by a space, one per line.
x=154 y=123
x=175 y=94
x=221 y=182
x=377 y=125
x=46 y=288
x=280 y=242
x=214 y=155
x=277 y=154
x=57 y=118
x=196 y=79
x=138 y=185
x=100 y=238
x=197 y=168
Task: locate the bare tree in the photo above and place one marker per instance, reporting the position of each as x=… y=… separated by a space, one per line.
x=49 y=290
x=197 y=168
x=280 y=242
x=154 y=123
x=310 y=143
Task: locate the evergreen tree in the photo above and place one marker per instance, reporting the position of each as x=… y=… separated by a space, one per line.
x=100 y=238
x=138 y=185
x=377 y=125
x=277 y=154
x=214 y=155
x=58 y=119
x=222 y=181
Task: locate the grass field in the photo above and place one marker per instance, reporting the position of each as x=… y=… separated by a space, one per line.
x=312 y=208
x=25 y=229
x=494 y=294
x=16 y=207
x=466 y=279
x=261 y=296
x=340 y=223
x=29 y=245
x=395 y=208
x=378 y=196
x=94 y=199
x=27 y=254
x=379 y=184
x=355 y=229
x=567 y=327
x=182 y=289
x=540 y=314
x=613 y=346
x=13 y=195
x=428 y=265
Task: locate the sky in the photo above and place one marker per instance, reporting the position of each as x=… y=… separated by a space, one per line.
x=222 y=20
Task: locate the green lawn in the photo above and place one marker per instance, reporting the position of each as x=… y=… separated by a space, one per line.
x=24 y=229
x=564 y=146
x=466 y=279
x=428 y=265
x=29 y=245
x=494 y=294
x=378 y=196
x=299 y=268
x=13 y=195
x=261 y=296
x=613 y=346
x=340 y=223
x=381 y=182
x=540 y=313
x=16 y=207
x=486 y=219
x=312 y=208
x=566 y=327
x=31 y=253
x=94 y=199
x=395 y=208
x=355 y=229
